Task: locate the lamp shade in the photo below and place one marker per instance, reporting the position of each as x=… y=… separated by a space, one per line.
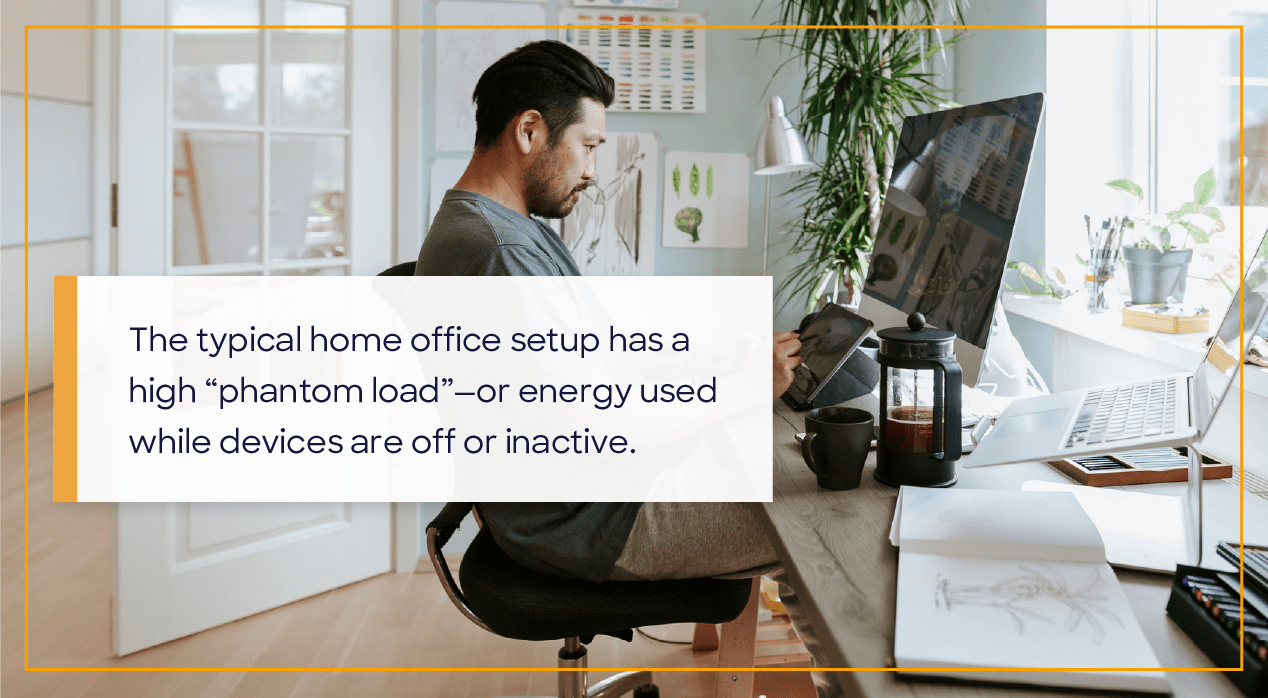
x=780 y=147
x=912 y=184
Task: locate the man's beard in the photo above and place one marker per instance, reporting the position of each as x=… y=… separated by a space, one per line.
x=542 y=196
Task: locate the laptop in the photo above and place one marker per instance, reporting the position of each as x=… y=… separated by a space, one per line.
x=1174 y=410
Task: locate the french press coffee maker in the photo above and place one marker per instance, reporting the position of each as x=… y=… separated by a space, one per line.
x=920 y=406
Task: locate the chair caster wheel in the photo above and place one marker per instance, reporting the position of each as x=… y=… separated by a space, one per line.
x=647 y=690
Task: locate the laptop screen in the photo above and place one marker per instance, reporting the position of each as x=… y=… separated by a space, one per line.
x=1232 y=340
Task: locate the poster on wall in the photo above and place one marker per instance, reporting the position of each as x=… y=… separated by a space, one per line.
x=463 y=54
x=631 y=4
x=656 y=58
x=706 y=200
x=612 y=229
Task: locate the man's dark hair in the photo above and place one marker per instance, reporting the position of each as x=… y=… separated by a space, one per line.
x=548 y=76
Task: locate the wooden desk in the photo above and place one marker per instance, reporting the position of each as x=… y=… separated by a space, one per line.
x=835 y=547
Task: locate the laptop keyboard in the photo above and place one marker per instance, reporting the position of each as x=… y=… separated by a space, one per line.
x=1126 y=412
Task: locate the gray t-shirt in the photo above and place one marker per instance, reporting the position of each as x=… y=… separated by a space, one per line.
x=473 y=235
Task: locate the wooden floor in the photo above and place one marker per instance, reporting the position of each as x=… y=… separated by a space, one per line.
x=394 y=620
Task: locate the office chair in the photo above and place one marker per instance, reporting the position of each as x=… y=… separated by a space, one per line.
x=402 y=269
x=508 y=600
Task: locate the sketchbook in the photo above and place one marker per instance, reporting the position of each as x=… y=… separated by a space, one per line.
x=1007 y=584
x=1140 y=531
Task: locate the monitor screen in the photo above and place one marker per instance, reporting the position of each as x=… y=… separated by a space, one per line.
x=948 y=220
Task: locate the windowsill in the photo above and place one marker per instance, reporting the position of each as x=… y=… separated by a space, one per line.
x=1182 y=351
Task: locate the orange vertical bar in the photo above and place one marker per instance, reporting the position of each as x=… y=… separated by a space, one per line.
x=66 y=395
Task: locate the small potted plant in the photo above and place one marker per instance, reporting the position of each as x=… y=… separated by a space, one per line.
x=1158 y=262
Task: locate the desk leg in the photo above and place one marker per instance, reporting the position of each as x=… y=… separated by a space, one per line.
x=739 y=642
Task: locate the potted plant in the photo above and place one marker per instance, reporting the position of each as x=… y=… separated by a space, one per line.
x=857 y=86
x=1158 y=262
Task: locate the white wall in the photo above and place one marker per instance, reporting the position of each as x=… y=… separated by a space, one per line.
x=60 y=63
x=998 y=63
x=64 y=258
x=60 y=75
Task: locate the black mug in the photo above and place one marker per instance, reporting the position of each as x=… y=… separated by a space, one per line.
x=836 y=445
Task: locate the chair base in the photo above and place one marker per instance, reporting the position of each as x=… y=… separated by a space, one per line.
x=611 y=687
x=572 y=684
x=620 y=684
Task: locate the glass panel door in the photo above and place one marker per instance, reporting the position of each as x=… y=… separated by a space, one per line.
x=259 y=116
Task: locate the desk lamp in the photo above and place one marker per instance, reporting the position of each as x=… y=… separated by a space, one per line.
x=780 y=149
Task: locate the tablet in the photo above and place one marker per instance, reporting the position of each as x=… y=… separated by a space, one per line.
x=826 y=343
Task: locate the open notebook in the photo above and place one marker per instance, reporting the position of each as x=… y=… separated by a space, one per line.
x=1013 y=580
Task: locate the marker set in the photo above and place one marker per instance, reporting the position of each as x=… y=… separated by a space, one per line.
x=1207 y=605
x=1136 y=467
x=1140 y=466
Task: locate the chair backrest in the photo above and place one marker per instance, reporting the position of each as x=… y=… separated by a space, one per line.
x=402 y=269
x=439 y=531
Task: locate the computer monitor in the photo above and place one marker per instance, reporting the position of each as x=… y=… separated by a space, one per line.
x=948 y=220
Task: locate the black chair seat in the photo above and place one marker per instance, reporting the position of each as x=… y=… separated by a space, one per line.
x=518 y=603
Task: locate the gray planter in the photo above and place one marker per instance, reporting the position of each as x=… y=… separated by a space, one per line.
x=1153 y=275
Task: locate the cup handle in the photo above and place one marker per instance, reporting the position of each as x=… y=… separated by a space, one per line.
x=808 y=452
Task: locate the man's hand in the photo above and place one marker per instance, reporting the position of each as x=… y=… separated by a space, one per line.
x=787 y=357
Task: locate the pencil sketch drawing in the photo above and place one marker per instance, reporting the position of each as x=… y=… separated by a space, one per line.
x=610 y=229
x=463 y=54
x=1035 y=595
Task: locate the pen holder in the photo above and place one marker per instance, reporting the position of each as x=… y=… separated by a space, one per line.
x=1095 y=286
x=1100 y=271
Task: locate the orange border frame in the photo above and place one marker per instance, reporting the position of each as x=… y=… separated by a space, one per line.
x=66 y=350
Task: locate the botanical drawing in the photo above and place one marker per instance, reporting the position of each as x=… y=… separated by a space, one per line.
x=1025 y=597
x=706 y=200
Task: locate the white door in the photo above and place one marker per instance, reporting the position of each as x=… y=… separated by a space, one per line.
x=260 y=152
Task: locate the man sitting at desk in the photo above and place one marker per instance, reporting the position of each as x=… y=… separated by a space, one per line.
x=540 y=116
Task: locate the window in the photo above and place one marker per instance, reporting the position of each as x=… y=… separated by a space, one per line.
x=1198 y=112
x=229 y=116
x=1158 y=107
